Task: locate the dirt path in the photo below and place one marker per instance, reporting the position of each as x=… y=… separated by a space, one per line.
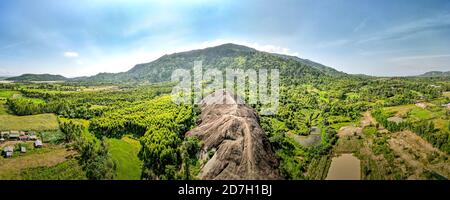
x=10 y=167
x=366 y=120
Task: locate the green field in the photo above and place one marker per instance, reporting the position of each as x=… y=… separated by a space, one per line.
x=3 y=108
x=447 y=94
x=7 y=93
x=421 y=114
x=41 y=122
x=124 y=152
x=67 y=170
x=400 y=110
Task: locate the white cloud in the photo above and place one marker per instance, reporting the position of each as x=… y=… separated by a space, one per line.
x=71 y=54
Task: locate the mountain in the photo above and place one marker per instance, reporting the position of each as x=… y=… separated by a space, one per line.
x=323 y=68
x=239 y=147
x=436 y=74
x=219 y=57
x=37 y=77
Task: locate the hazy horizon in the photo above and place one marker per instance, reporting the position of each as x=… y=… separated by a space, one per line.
x=84 y=38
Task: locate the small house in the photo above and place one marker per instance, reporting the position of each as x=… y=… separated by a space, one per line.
x=23 y=137
x=23 y=149
x=14 y=135
x=8 y=150
x=38 y=144
x=21 y=133
x=4 y=134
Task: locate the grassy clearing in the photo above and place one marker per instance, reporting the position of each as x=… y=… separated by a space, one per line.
x=124 y=152
x=67 y=170
x=441 y=124
x=421 y=114
x=400 y=110
x=41 y=122
x=3 y=108
x=447 y=94
x=4 y=94
x=348 y=144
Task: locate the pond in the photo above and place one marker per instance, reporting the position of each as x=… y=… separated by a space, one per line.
x=344 y=167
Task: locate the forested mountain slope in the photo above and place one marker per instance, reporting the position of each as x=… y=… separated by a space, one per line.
x=219 y=57
x=37 y=77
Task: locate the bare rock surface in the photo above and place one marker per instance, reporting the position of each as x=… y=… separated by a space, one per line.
x=230 y=129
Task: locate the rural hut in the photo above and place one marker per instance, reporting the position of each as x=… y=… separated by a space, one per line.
x=38 y=144
x=8 y=150
x=23 y=149
x=23 y=137
x=14 y=135
x=4 y=134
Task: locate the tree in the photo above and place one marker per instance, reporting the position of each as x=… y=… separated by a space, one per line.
x=95 y=160
x=159 y=153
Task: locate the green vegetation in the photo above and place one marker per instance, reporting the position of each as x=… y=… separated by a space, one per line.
x=124 y=152
x=37 y=77
x=41 y=122
x=125 y=126
x=421 y=121
x=67 y=170
x=5 y=94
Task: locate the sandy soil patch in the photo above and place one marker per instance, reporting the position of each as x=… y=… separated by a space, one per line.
x=349 y=131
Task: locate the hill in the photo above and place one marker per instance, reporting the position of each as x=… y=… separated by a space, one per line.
x=219 y=57
x=37 y=77
x=323 y=68
x=436 y=74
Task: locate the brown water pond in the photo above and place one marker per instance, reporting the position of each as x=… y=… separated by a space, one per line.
x=344 y=167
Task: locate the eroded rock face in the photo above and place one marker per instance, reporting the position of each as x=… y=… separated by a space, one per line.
x=231 y=130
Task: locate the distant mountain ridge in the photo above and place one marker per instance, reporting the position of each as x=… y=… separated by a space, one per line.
x=220 y=57
x=326 y=69
x=38 y=77
x=436 y=74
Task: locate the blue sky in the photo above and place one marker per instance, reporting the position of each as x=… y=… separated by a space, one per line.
x=76 y=37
